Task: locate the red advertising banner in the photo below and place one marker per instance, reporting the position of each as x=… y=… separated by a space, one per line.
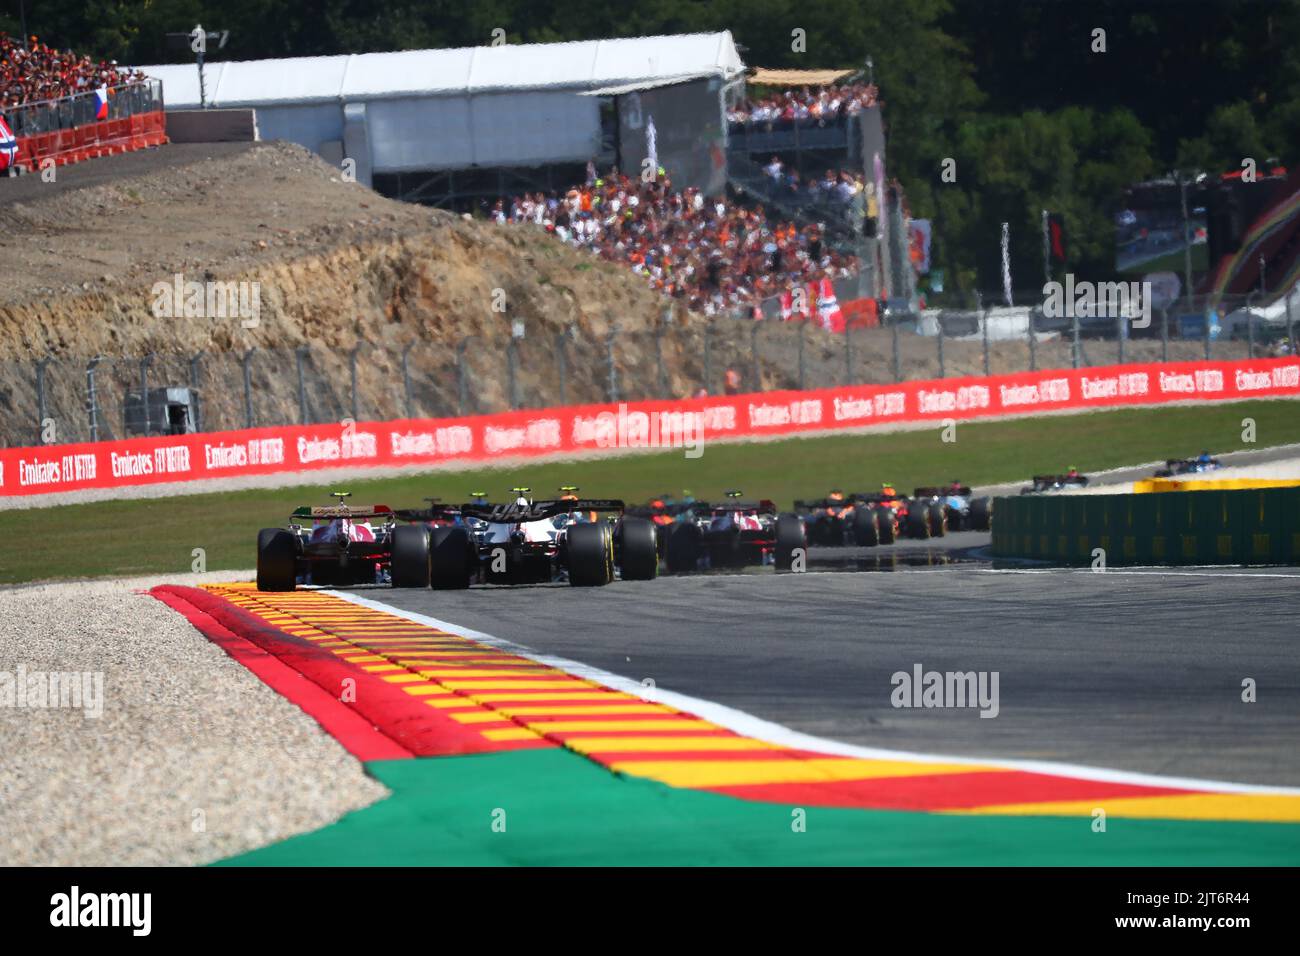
x=688 y=424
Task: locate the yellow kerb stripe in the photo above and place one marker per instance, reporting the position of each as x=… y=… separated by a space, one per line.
x=736 y=773
x=1246 y=807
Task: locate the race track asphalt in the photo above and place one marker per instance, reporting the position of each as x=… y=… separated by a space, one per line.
x=1129 y=669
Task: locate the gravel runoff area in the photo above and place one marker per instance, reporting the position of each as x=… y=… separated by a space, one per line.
x=193 y=758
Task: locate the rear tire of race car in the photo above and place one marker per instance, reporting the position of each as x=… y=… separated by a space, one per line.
x=866 y=530
x=938 y=519
x=591 y=554
x=409 y=567
x=450 y=558
x=980 y=513
x=640 y=551
x=791 y=542
x=885 y=518
x=277 y=559
x=918 y=522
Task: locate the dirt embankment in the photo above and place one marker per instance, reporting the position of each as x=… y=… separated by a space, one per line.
x=339 y=267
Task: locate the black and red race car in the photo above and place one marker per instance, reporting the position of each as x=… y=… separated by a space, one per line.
x=734 y=534
x=342 y=544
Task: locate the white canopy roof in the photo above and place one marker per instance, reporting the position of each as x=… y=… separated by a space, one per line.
x=581 y=66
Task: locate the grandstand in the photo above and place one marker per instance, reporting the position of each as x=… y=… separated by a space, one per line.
x=448 y=127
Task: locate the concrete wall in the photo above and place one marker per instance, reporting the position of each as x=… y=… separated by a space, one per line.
x=212 y=126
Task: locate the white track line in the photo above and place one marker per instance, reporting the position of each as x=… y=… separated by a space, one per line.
x=756 y=727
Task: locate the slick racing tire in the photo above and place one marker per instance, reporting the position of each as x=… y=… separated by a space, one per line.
x=938 y=518
x=682 y=552
x=591 y=554
x=886 y=519
x=277 y=559
x=791 y=542
x=640 y=550
x=918 y=522
x=866 y=530
x=980 y=514
x=409 y=567
x=450 y=558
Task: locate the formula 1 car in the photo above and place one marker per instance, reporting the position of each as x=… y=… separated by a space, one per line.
x=840 y=520
x=1188 y=466
x=962 y=510
x=579 y=540
x=1046 y=484
x=734 y=534
x=343 y=545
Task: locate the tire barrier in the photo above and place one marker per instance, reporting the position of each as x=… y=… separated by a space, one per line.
x=1245 y=526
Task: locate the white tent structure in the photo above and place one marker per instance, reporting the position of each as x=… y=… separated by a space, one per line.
x=433 y=110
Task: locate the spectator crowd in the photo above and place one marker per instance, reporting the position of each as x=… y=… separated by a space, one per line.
x=805 y=105
x=712 y=254
x=845 y=194
x=36 y=72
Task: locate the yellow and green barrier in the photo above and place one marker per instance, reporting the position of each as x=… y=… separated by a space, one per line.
x=1237 y=526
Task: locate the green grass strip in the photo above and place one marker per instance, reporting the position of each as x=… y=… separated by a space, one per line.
x=159 y=535
x=556 y=808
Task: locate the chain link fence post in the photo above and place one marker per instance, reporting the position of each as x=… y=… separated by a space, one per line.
x=1075 y=346
x=898 y=363
x=1120 y=330
x=610 y=367
x=1208 y=323
x=562 y=361
x=406 y=379
x=300 y=356
x=848 y=354
x=352 y=374
x=196 y=394
x=246 y=362
x=1164 y=335
x=708 y=356
x=984 y=324
x=1290 y=325
x=1033 y=341
x=1250 y=332
x=92 y=397
x=803 y=335
x=145 y=362
x=462 y=376
x=939 y=346
x=512 y=360
x=40 y=399
x=753 y=357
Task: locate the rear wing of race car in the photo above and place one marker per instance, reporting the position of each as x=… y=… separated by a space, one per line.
x=434 y=512
x=763 y=507
x=802 y=507
x=343 y=511
x=513 y=512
